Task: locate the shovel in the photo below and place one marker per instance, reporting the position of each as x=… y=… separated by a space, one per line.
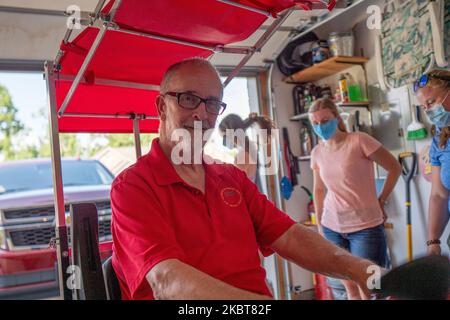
x=408 y=173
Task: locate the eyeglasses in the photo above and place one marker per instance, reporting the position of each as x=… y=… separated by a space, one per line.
x=191 y=101
x=423 y=80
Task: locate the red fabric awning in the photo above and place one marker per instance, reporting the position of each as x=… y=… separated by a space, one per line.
x=125 y=57
x=137 y=59
x=101 y=99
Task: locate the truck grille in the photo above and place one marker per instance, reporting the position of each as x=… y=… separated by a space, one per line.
x=40 y=237
x=47 y=212
x=33 y=237
x=29 y=213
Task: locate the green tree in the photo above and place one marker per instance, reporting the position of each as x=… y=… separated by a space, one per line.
x=120 y=140
x=68 y=143
x=23 y=147
x=27 y=152
x=9 y=124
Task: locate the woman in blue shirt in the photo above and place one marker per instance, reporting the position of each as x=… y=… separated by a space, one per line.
x=433 y=93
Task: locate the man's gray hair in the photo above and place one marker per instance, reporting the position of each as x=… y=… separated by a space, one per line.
x=196 y=61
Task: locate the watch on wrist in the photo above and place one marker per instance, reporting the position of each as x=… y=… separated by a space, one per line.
x=435 y=241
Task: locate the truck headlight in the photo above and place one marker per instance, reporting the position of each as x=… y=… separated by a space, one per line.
x=3 y=244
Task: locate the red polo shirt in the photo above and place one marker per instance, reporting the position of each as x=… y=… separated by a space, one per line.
x=157 y=216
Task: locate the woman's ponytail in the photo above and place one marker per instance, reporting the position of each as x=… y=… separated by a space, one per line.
x=262 y=121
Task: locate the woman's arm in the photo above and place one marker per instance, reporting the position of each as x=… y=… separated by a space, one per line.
x=438 y=214
x=389 y=163
x=319 y=193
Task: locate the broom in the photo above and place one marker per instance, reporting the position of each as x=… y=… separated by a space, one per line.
x=416 y=130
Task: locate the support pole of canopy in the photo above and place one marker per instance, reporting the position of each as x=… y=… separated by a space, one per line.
x=56 y=65
x=110 y=82
x=96 y=14
x=83 y=68
x=219 y=48
x=60 y=240
x=93 y=17
x=259 y=44
x=88 y=58
x=163 y=38
x=67 y=35
x=110 y=116
x=243 y=6
x=137 y=138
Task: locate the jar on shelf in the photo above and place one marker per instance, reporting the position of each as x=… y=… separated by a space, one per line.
x=341 y=44
x=354 y=89
x=343 y=87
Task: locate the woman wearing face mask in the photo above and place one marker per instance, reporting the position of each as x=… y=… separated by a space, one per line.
x=349 y=214
x=433 y=93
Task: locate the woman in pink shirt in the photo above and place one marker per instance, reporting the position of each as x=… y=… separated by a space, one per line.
x=349 y=213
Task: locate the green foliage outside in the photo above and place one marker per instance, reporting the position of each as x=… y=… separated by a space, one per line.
x=9 y=124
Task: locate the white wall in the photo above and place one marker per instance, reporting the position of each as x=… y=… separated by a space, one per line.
x=30 y=37
x=26 y=36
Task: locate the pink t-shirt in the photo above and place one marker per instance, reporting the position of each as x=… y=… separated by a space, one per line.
x=351 y=202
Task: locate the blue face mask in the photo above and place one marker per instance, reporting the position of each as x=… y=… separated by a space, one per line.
x=438 y=115
x=326 y=130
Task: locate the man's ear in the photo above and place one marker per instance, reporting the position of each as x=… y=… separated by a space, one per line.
x=161 y=106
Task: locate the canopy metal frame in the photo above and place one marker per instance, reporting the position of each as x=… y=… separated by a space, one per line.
x=60 y=241
x=52 y=69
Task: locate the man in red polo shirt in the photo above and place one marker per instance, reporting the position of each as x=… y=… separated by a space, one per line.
x=192 y=230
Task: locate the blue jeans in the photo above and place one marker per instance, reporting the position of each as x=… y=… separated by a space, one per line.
x=369 y=243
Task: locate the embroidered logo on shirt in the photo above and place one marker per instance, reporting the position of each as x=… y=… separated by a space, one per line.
x=231 y=196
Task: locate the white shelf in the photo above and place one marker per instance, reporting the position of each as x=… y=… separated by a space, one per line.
x=342 y=20
x=325 y=69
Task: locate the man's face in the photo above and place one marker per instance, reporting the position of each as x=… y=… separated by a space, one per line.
x=198 y=80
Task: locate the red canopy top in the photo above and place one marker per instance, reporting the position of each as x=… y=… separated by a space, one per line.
x=140 y=60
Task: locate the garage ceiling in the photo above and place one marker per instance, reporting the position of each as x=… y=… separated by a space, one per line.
x=85 y=5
